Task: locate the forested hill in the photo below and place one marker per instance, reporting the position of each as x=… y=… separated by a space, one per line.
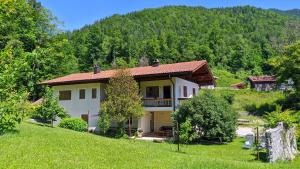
x=292 y=12
x=236 y=39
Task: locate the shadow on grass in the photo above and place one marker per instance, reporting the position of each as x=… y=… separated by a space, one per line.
x=260 y=110
x=12 y=132
x=262 y=156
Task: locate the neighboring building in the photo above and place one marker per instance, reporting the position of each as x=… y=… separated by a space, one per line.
x=162 y=87
x=263 y=83
x=240 y=85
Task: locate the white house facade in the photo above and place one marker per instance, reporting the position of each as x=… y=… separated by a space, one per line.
x=162 y=88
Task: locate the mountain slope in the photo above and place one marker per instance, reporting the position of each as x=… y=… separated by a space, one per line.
x=237 y=39
x=292 y=12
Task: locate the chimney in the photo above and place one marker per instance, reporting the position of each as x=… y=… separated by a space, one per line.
x=96 y=69
x=155 y=63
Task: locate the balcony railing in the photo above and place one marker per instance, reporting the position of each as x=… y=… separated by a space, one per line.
x=181 y=100
x=159 y=102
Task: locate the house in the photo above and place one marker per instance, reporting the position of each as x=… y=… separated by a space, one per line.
x=163 y=87
x=263 y=83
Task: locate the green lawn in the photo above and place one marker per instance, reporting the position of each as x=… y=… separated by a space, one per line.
x=33 y=146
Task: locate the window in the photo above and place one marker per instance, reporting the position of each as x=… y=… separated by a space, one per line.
x=82 y=94
x=194 y=92
x=65 y=95
x=152 y=92
x=184 y=91
x=94 y=93
x=167 y=92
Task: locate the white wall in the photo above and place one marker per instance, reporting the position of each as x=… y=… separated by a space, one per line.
x=76 y=107
x=179 y=83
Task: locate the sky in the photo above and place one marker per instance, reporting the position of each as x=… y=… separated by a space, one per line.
x=74 y=14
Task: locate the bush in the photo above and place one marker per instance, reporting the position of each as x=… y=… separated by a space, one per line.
x=103 y=122
x=229 y=97
x=12 y=111
x=211 y=118
x=76 y=124
x=187 y=133
x=278 y=116
x=49 y=109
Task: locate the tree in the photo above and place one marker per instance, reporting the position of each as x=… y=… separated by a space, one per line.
x=287 y=67
x=12 y=111
x=210 y=116
x=49 y=109
x=123 y=100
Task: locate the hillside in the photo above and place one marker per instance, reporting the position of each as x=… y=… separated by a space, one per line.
x=235 y=39
x=292 y=12
x=33 y=146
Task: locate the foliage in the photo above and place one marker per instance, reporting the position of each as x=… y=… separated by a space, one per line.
x=12 y=111
x=278 y=116
x=287 y=67
x=123 y=101
x=76 y=124
x=229 y=97
x=211 y=117
x=39 y=145
x=49 y=109
x=104 y=121
x=31 y=48
x=187 y=133
x=238 y=39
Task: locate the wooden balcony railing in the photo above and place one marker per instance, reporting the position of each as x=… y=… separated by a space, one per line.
x=181 y=100
x=159 y=102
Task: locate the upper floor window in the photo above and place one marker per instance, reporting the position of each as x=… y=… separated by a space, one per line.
x=65 y=95
x=194 y=92
x=94 y=93
x=184 y=91
x=152 y=92
x=82 y=94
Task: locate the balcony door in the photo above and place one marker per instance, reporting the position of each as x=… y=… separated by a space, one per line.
x=167 y=92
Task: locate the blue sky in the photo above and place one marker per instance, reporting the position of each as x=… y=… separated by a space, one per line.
x=76 y=13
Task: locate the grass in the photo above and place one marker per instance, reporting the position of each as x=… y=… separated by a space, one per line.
x=33 y=146
x=225 y=78
x=244 y=99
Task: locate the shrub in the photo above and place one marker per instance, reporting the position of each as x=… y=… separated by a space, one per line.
x=278 y=116
x=229 y=97
x=76 y=124
x=187 y=133
x=103 y=122
x=49 y=109
x=12 y=111
x=211 y=117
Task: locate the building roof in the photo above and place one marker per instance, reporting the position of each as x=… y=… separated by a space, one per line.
x=262 y=78
x=182 y=68
x=240 y=85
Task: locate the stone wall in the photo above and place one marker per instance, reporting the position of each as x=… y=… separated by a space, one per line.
x=281 y=143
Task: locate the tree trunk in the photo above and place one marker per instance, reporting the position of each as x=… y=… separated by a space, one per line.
x=129 y=127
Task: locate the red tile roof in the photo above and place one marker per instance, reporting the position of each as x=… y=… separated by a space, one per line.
x=262 y=78
x=163 y=69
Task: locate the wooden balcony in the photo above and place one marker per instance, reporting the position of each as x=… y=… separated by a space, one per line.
x=158 y=102
x=181 y=100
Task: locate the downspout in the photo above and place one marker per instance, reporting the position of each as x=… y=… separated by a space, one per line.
x=174 y=108
x=173 y=89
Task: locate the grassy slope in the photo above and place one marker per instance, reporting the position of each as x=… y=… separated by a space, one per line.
x=244 y=98
x=42 y=147
x=225 y=78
